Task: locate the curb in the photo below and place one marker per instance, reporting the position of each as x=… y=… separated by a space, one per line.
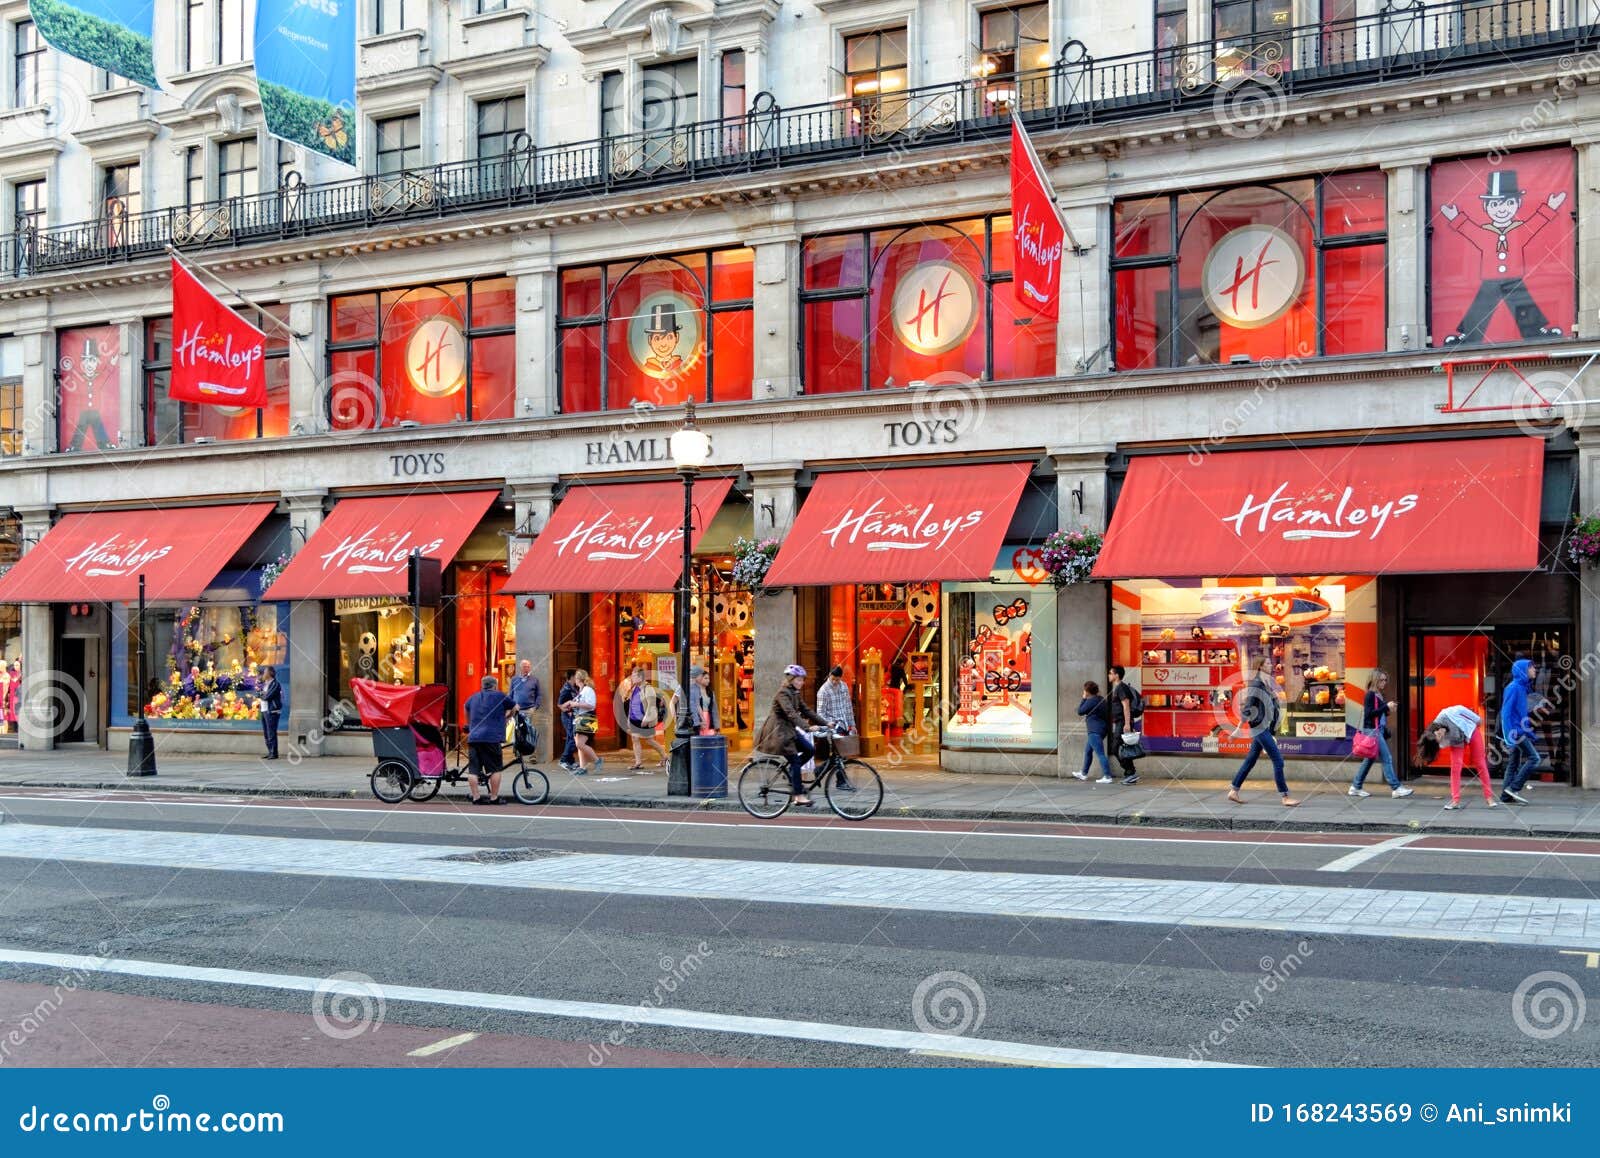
x=1088 y=819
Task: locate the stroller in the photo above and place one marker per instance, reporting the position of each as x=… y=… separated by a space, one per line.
x=407 y=734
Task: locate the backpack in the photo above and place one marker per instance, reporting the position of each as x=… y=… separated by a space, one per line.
x=523 y=738
x=1135 y=701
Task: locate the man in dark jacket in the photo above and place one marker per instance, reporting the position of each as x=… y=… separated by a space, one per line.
x=1259 y=713
x=486 y=736
x=1516 y=730
x=271 y=705
x=564 y=698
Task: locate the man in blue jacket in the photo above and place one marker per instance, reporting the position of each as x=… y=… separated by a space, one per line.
x=486 y=736
x=1517 y=732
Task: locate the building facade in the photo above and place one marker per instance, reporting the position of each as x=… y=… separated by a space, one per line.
x=1306 y=228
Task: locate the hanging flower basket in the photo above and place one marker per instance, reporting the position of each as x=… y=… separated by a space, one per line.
x=751 y=561
x=1583 y=546
x=271 y=571
x=1069 y=556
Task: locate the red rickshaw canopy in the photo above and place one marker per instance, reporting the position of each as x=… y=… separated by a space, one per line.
x=399 y=706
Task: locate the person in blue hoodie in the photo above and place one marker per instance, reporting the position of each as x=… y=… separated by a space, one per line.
x=1517 y=732
x=1096 y=720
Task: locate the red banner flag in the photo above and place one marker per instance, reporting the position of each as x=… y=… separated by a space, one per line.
x=1038 y=234
x=217 y=356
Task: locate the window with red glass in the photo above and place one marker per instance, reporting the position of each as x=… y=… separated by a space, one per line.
x=660 y=330
x=428 y=354
x=891 y=307
x=168 y=423
x=1290 y=270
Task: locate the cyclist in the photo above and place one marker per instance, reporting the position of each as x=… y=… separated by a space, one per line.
x=784 y=733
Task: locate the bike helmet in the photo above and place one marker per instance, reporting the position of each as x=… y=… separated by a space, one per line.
x=794 y=669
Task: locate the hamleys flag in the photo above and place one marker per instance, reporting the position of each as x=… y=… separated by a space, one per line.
x=217 y=356
x=1038 y=235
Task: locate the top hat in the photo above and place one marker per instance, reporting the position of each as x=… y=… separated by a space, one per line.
x=663 y=320
x=1502 y=184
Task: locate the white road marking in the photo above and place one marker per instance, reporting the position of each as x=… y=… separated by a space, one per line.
x=863 y=1035
x=441 y=1046
x=1361 y=856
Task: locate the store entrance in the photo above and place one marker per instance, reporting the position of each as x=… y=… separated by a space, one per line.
x=69 y=705
x=1472 y=667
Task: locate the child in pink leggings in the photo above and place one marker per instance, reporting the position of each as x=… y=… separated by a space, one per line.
x=1461 y=730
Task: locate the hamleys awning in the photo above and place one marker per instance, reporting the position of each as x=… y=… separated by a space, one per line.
x=1369 y=509
x=361 y=547
x=908 y=525
x=616 y=537
x=98 y=556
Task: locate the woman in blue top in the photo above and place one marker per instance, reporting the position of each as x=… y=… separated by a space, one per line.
x=1375 y=719
x=1092 y=707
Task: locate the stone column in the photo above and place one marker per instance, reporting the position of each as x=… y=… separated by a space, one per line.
x=1588 y=326
x=774 y=483
x=1083 y=329
x=307 y=722
x=1408 y=254
x=537 y=287
x=533 y=499
x=1082 y=611
x=308 y=396
x=130 y=378
x=1586 y=654
x=775 y=318
x=38 y=651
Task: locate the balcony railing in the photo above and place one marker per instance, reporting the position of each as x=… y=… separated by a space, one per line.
x=1241 y=76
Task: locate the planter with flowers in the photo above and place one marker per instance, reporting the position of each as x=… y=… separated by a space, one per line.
x=271 y=571
x=1583 y=545
x=1069 y=556
x=752 y=559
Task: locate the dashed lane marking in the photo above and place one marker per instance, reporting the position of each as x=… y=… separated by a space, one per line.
x=448 y=1043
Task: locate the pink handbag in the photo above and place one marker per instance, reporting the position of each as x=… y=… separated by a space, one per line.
x=1364 y=746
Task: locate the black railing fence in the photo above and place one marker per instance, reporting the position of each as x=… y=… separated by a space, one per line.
x=1238 y=77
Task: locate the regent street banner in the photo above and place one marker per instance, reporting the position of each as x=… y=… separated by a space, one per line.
x=116 y=36
x=306 y=73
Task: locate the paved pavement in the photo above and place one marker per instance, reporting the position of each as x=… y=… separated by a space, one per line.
x=1554 y=811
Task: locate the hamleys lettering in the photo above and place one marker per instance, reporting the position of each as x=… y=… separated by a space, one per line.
x=109 y=557
x=908 y=530
x=195 y=347
x=364 y=555
x=1305 y=518
x=602 y=540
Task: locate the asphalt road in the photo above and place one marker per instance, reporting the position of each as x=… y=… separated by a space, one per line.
x=842 y=984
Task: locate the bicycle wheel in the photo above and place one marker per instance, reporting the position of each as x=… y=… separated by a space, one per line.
x=425 y=788
x=531 y=787
x=866 y=797
x=391 y=781
x=764 y=788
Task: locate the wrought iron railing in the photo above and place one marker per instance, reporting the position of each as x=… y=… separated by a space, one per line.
x=1240 y=78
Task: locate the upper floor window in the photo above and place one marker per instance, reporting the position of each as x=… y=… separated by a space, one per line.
x=194 y=176
x=119 y=199
x=238 y=168
x=491 y=6
x=874 y=72
x=399 y=144
x=895 y=306
x=27 y=206
x=1291 y=270
x=214 y=33
x=613 y=112
x=1252 y=36
x=393 y=15
x=733 y=102
x=27 y=59
x=13 y=432
x=1172 y=33
x=429 y=354
x=669 y=103
x=168 y=423
x=1013 y=56
x=659 y=330
x=1487 y=21
x=88 y=388
x=499 y=122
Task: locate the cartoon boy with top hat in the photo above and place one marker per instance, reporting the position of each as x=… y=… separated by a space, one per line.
x=1502 y=266
x=661 y=332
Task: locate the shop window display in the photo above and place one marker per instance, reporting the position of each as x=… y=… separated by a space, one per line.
x=660 y=331
x=1002 y=659
x=88 y=388
x=897 y=306
x=1290 y=270
x=376 y=641
x=429 y=354
x=1503 y=248
x=167 y=422
x=886 y=637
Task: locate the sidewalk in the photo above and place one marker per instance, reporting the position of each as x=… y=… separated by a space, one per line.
x=1554 y=811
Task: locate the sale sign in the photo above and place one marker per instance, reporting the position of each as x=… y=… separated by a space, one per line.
x=1038 y=234
x=217 y=356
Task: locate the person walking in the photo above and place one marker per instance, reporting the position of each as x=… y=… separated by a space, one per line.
x=1516 y=731
x=703 y=715
x=1122 y=710
x=1259 y=712
x=486 y=736
x=643 y=711
x=833 y=701
x=271 y=705
x=584 y=724
x=1092 y=707
x=1460 y=729
x=783 y=733
x=564 y=698
x=1375 y=712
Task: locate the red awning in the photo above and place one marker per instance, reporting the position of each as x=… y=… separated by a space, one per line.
x=900 y=526
x=1371 y=509
x=98 y=556
x=617 y=537
x=361 y=547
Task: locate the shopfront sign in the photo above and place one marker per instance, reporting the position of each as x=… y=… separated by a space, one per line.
x=923 y=432
x=436 y=358
x=627 y=451
x=359 y=605
x=1253 y=275
x=429 y=463
x=1175 y=677
x=935 y=307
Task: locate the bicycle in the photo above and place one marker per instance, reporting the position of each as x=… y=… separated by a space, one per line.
x=853 y=788
x=529 y=785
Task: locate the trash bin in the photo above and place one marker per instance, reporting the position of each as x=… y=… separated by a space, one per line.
x=708 y=767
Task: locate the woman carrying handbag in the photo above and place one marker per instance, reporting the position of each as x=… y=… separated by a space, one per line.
x=1372 y=742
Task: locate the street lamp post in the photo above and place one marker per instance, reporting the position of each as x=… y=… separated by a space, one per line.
x=690 y=449
x=141 y=744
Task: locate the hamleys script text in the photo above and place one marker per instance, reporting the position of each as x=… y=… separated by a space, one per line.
x=364 y=555
x=1302 y=520
x=193 y=347
x=908 y=531
x=108 y=558
x=602 y=540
